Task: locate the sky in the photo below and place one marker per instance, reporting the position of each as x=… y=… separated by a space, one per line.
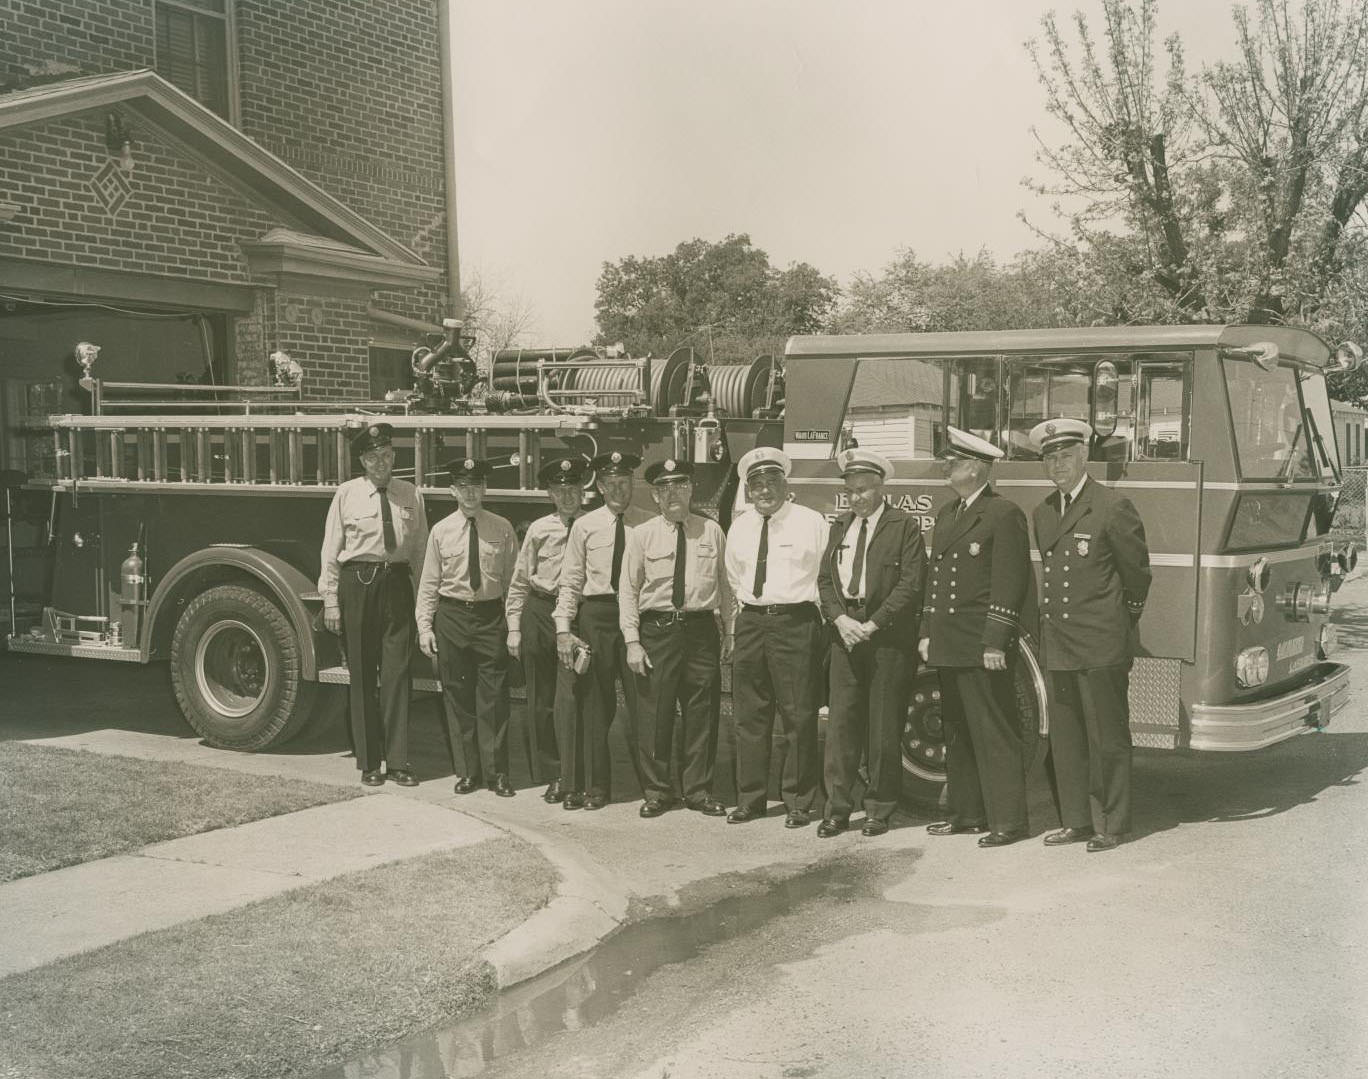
x=833 y=132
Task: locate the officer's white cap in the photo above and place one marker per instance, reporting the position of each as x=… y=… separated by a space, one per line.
x=858 y=460
x=962 y=444
x=761 y=459
x=1061 y=432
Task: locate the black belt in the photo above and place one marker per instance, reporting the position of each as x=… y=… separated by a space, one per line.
x=550 y=597
x=601 y=597
x=777 y=608
x=470 y=604
x=670 y=618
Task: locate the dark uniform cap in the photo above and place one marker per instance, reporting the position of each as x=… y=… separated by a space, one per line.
x=571 y=470
x=466 y=469
x=668 y=471
x=615 y=463
x=371 y=436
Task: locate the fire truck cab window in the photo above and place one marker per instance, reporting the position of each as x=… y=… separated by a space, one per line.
x=1275 y=435
x=897 y=407
x=1161 y=418
x=976 y=396
x=1054 y=387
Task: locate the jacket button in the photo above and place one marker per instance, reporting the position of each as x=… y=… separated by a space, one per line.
x=1066 y=614
x=952 y=610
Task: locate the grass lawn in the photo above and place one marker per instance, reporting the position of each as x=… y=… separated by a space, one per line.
x=284 y=987
x=62 y=806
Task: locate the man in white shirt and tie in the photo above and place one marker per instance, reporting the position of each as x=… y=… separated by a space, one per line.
x=774 y=552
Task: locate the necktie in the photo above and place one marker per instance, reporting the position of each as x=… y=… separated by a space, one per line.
x=677 y=593
x=387 y=520
x=1064 y=501
x=857 y=567
x=761 y=557
x=473 y=556
x=959 y=508
x=619 y=545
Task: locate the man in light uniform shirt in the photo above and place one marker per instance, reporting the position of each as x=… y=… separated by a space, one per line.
x=469 y=562
x=673 y=594
x=373 y=539
x=588 y=602
x=531 y=631
x=774 y=552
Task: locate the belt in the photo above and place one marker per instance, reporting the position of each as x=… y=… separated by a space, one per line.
x=539 y=593
x=374 y=563
x=470 y=604
x=601 y=597
x=777 y=608
x=669 y=618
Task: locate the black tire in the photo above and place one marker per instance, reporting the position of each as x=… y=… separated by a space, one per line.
x=923 y=740
x=237 y=671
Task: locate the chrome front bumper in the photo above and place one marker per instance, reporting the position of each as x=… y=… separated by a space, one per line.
x=1235 y=727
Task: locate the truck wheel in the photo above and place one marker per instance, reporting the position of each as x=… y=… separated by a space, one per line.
x=235 y=666
x=923 y=739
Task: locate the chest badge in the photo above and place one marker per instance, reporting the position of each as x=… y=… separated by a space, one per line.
x=1082 y=548
x=975 y=548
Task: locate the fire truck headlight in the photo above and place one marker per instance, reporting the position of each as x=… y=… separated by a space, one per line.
x=1329 y=640
x=1250 y=606
x=1258 y=575
x=1251 y=666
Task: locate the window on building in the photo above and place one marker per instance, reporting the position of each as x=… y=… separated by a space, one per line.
x=194 y=50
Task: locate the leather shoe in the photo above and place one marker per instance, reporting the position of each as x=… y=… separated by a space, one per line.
x=743 y=815
x=573 y=800
x=653 y=807
x=946 y=827
x=831 y=826
x=595 y=801
x=502 y=787
x=709 y=807
x=554 y=793
x=1102 y=841
x=373 y=779
x=464 y=785
x=1000 y=839
x=403 y=777
x=1068 y=835
x=797 y=818
x=873 y=826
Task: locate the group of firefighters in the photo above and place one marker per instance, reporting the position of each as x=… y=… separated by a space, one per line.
x=658 y=602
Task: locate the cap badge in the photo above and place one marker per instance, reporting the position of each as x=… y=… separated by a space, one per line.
x=374 y=432
x=670 y=465
x=616 y=458
x=1050 y=428
x=515 y=459
x=565 y=465
x=469 y=464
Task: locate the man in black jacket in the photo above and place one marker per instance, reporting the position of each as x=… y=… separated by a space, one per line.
x=870 y=588
x=980 y=576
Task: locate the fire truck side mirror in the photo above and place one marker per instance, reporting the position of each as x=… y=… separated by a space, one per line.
x=1347 y=356
x=1105 y=394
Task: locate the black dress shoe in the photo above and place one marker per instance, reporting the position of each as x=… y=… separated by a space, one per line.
x=502 y=787
x=403 y=777
x=1000 y=839
x=573 y=800
x=373 y=778
x=595 y=801
x=554 y=793
x=797 y=818
x=946 y=827
x=653 y=807
x=742 y=815
x=1102 y=841
x=709 y=807
x=1068 y=835
x=831 y=826
x=464 y=785
x=873 y=826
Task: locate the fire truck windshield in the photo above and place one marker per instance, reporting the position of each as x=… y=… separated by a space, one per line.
x=1281 y=422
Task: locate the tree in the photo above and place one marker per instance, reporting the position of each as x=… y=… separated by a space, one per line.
x=1237 y=188
x=497 y=319
x=724 y=298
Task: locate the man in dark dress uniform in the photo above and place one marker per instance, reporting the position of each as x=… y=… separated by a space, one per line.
x=1095 y=576
x=980 y=574
x=870 y=585
x=673 y=601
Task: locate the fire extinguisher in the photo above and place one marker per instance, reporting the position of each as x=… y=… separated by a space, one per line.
x=132 y=592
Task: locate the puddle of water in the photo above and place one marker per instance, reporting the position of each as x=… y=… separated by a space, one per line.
x=585 y=990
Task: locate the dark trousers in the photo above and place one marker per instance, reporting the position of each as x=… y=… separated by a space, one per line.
x=776 y=668
x=869 y=690
x=376 y=602
x=472 y=661
x=1090 y=748
x=985 y=774
x=549 y=686
x=591 y=767
x=685 y=671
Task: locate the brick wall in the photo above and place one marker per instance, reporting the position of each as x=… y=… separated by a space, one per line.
x=49 y=38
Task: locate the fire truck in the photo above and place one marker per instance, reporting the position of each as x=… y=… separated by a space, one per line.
x=184 y=523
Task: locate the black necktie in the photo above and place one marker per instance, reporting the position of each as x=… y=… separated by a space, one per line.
x=473 y=557
x=619 y=545
x=677 y=593
x=761 y=557
x=1064 y=500
x=959 y=508
x=857 y=567
x=387 y=520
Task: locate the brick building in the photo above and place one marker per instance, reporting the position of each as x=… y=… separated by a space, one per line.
x=191 y=184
